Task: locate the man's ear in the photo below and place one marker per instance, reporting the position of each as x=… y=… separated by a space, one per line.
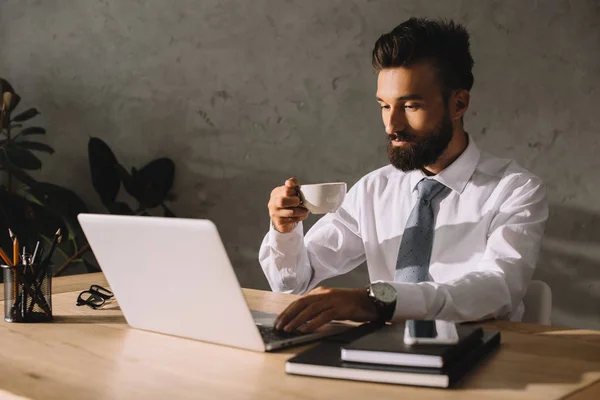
x=460 y=103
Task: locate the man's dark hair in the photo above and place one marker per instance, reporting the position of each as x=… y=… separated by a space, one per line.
x=443 y=43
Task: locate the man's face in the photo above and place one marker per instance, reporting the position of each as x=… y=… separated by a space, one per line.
x=414 y=114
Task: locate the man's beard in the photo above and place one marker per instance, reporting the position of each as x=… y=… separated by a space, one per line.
x=419 y=153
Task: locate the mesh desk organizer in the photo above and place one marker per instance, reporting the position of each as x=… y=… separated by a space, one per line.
x=28 y=292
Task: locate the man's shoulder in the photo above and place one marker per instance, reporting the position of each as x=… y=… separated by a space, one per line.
x=505 y=172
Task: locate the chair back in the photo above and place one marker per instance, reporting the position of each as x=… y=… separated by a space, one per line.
x=538 y=303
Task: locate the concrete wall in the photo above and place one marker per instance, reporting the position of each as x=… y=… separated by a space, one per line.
x=243 y=94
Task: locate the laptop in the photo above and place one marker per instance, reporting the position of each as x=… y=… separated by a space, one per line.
x=173 y=276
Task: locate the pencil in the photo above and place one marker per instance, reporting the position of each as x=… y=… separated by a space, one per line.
x=57 y=239
x=15 y=241
x=5 y=257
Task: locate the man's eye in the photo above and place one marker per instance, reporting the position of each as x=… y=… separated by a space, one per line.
x=385 y=107
x=412 y=107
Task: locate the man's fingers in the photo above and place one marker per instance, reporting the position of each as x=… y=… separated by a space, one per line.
x=287 y=220
x=285 y=201
x=284 y=191
x=291 y=191
x=291 y=212
x=324 y=317
x=292 y=310
x=288 y=314
x=309 y=313
x=292 y=183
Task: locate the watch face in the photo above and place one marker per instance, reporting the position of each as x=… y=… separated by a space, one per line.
x=384 y=292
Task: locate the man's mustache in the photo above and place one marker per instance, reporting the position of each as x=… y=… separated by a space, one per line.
x=402 y=136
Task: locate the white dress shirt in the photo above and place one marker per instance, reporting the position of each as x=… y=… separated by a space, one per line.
x=488 y=229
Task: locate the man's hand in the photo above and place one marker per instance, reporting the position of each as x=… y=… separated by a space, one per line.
x=323 y=305
x=284 y=207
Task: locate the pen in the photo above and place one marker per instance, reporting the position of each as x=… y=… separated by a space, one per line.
x=37 y=246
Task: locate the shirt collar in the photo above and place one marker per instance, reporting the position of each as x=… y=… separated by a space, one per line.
x=456 y=175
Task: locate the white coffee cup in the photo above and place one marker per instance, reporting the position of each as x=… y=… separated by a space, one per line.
x=323 y=198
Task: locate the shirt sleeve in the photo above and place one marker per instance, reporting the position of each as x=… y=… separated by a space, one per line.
x=497 y=283
x=294 y=263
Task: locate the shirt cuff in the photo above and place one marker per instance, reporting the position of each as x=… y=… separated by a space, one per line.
x=285 y=241
x=410 y=301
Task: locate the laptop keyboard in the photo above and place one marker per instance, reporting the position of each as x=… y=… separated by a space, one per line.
x=271 y=335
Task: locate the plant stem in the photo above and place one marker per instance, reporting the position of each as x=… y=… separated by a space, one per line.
x=82 y=250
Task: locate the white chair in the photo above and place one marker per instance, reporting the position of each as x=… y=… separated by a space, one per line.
x=538 y=303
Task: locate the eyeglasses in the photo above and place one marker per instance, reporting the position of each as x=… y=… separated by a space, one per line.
x=94 y=297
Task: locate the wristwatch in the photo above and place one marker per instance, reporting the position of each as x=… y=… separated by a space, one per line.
x=384 y=298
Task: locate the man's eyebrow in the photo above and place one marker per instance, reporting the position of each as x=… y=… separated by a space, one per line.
x=405 y=98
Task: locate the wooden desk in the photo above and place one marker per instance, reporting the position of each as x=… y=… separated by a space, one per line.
x=93 y=354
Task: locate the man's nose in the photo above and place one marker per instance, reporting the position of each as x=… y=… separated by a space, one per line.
x=396 y=122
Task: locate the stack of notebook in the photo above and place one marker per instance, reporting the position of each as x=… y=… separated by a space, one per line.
x=377 y=353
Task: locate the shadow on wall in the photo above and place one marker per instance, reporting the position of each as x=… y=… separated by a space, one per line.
x=570 y=264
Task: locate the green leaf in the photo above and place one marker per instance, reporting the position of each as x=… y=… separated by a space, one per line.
x=104 y=169
x=25 y=144
x=67 y=243
x=22 y=158
x=33 y=130
x=151 y=184
x=25 y=115
x=15 y=171
x=73 y=230
x=22 y=175
x=91 y=267
x=62 y=203
x=60 y=200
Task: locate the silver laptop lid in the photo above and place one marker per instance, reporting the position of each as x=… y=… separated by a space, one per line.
x=173 y=276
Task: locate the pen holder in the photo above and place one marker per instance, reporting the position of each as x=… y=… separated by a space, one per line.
x=27 y=293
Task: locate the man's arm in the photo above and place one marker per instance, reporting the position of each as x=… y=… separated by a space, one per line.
x=494 y=288
x=499 y=281
x=293 y=263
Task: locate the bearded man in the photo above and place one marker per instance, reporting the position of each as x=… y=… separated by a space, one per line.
x=447 y=231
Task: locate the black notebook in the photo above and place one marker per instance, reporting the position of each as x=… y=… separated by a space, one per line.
x=324 y=360
x=386 y=346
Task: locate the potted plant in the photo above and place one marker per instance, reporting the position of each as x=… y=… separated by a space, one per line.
x=32 y=209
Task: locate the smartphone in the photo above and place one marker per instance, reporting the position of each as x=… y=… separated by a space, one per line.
x=430 y=332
